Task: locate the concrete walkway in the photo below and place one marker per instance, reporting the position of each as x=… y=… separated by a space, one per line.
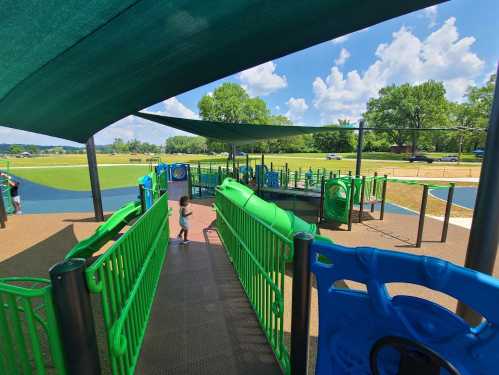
x=202 y=322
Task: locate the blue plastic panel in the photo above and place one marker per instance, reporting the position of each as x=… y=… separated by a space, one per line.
x=272 y=179
x=351 y=321
x=178 y=172
x=163 y=168
x=149 y=198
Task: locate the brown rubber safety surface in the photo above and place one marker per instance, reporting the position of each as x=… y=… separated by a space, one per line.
x=201 y=321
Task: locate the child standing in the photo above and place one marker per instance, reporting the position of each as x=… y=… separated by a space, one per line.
x=184 y=213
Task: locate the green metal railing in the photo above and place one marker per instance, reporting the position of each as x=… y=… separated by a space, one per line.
x=259 y=255
x=29 y=335
x=126 y=277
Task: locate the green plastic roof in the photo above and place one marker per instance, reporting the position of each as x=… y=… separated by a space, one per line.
x=69 y=68
x=234 y=133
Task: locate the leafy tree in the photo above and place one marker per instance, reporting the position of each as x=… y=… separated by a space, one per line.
x=408 y=106
x=185 y=144
x=336 y=140
x=230 y=103
x=119 y=146
x=16 y=149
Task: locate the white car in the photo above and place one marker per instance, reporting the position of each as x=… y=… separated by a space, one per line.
x=451 y=158
x=333 y=156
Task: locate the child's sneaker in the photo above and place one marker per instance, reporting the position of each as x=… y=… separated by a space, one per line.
x=179 y=237
x=185 y=242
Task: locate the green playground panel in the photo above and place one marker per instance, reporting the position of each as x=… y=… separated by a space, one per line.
x=29 y=334
x=106 y=231
x=126 y=278
x=5 y=195
x=257 y=236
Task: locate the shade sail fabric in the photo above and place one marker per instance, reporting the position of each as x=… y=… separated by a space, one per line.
x=234 y=133
x=69 y=68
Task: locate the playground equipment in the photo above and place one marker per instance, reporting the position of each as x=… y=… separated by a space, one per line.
x=341 y=193
x=40 y=333
x=178 y=172
x=373 y=333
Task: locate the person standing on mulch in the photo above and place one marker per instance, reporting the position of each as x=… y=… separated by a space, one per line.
x=14 y=193
x=184 y=213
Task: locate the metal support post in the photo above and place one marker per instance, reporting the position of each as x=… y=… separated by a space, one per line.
x=300 y=307
x=362 y=192
x=350 y=207
x=246 y=177
x=448 y=206
x=189 y=180
x=321 y=207
x=360 y=144
x=422 y=214
x=142 y=196
x=74 y=317
x=375 y=182
x=484 y=234
x=383 y=198
x=94 y=179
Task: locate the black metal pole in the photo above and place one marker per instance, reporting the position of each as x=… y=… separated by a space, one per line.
x=360 y=143
x=74 y=317
x=3 y=211
x=321 y=207
x=247 y=170
x=383 y=198
x=219 y=175
x=263 y=158
x=350 y=205
x=448 y=206
x=142 y=195
x=94 y=179
x=200 y=192
x=422 y=214
x=375 y=182
x=484 y=235
x=300 y=307
x=362 y=192
x=189 y=180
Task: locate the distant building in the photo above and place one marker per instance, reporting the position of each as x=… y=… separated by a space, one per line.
x=400 y=149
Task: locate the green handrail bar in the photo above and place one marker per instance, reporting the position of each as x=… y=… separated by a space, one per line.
x=126 y=277
x=259 y=254
x=29 y=335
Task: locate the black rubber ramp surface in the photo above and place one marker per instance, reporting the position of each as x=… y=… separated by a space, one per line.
x=202 y=322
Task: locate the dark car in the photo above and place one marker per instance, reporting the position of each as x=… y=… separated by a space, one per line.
x=422 y=158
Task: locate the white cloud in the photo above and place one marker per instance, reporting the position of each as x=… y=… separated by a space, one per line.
x=174 y=108
x=262 y=80
x=297 y=107
x=146 y=131
x=343 y=57
x=9 y=135
x=431 y=14
x=442 y=56
x=340 y=39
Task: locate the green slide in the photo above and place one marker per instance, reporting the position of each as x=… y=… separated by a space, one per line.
x=105 y=232
x=336 y=200
x=284 y=222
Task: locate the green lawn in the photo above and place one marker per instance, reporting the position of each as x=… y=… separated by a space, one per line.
x=77 y=178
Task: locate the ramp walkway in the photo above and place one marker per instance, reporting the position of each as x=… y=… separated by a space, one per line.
x=202 y=322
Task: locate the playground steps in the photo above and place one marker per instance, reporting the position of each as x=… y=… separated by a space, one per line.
x=202 y=322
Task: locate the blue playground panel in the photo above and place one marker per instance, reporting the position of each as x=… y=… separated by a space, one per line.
x=352 y=322
x=463 y=196
x=178 y=172
x=148 y=193
x=272 y=179
x=36 y=199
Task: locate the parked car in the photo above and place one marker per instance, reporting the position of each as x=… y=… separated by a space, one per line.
x=240 y=153
x=451 y=158
x=479 y=153
x=422 y=158
x=333 y=156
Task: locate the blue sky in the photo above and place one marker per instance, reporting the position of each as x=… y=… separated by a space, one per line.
x=455 y=42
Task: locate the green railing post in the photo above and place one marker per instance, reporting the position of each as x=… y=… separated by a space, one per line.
x=74 y=316
x=350 y=210
x=142 y=195
x=246 y=176
x=375 y=182
x=189 y=180
x=362 y=199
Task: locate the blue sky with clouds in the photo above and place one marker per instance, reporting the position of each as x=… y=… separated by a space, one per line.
x=455 y=42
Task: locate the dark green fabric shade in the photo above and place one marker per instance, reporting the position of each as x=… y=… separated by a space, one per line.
x=69 y=68
x=234 y=133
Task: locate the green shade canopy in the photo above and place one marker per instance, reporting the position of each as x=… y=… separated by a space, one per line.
x=69 y=68
x=234 y=133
